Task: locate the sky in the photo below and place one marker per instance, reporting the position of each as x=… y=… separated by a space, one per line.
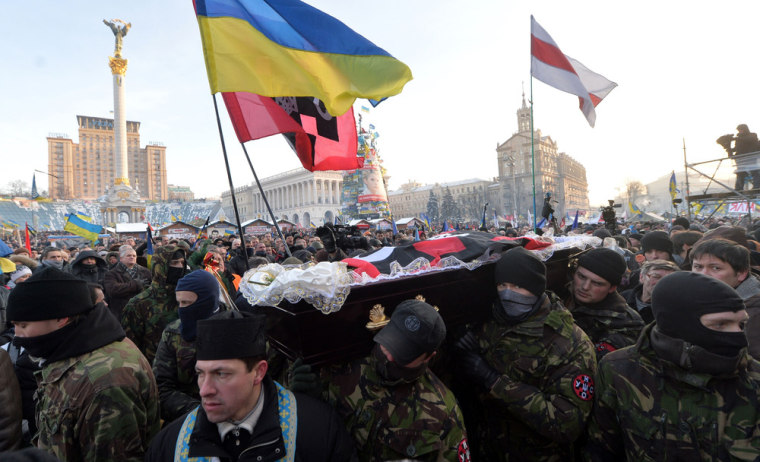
x=684 y=73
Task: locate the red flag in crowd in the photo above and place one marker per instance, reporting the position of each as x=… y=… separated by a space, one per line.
x=554 y=68
x=321 y=141
x=28 y=242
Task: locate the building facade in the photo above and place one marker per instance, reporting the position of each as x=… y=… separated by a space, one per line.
x=86 y=169
x=556 y=173
x=412 y=198
x=180 y=193
x=300 y=196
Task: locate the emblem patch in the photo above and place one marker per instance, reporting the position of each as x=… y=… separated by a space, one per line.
x=583 y=386
x=604 y=346
x=463 y=451
x=412 y=323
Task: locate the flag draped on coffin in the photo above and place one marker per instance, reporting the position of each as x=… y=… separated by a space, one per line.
x=554 y=68
x=321 y=141
x=288 y=48
x=463 y=245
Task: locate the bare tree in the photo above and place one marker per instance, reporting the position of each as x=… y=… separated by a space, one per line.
x=18 y=188
x=634 y=189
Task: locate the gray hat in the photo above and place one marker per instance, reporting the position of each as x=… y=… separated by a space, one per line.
x=415 y=328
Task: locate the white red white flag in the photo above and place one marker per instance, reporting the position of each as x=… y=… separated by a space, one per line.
x=549 y=65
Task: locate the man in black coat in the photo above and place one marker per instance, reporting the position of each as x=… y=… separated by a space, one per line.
x=244 y=414
x=125 y=280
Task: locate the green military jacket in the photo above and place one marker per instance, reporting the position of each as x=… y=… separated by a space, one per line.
x=102 y=405
x=147 y=314
x=650 y=409
x=610 y=324
x=420 y=421
x=174 y=368
x=539 y=405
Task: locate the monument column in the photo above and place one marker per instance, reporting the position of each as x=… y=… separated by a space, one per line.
x=118 y=67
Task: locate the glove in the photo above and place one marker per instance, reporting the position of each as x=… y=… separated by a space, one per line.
x=468 y=342
x=477 y=370
x=302 y=379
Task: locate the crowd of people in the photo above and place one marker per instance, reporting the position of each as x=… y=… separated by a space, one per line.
x=648 y=352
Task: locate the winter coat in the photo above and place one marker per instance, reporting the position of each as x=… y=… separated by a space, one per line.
x=10 y=405
x=120 y=286
x=147 y=314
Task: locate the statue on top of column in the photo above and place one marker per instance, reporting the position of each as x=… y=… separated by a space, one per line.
x=118 y=32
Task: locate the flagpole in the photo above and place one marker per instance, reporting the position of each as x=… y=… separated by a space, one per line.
x=266 y=202
x=686 y=174
x=532 y=154
x=229 y=175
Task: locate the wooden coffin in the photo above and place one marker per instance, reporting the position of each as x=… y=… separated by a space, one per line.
x=462 y=296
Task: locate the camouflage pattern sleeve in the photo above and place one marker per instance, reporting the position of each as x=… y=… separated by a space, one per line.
x=604 y=436
x=133 y=322
x=174 y=368
x=557 y=412
x=113 y=426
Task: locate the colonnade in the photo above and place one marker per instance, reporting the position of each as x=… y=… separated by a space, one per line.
x=300 y=194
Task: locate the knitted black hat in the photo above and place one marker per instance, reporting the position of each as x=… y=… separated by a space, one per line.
x=231 y=335
x=520 y=267
x=605 y=263
x=48 y=294
x=657 y=240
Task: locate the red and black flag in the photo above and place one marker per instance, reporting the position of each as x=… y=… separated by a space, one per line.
x=466 y=246
x=321 y=141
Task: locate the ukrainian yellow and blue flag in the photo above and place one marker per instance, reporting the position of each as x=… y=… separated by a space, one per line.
x=289 y=48
x=672 y=186
x=80 y=227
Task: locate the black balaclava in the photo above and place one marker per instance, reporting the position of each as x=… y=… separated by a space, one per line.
x=681 y=298
x=173 y=274
x=204 y=285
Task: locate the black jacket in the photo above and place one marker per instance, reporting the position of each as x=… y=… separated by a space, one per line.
x=120 y=287
x=631 y=295
x=321 y=435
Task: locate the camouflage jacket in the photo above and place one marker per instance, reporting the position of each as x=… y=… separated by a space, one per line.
x=539 y=405
x=610 y=324
x=419 y=421
x=650 y=409
x=147 y=314
x=102 y=405
x=174 y=368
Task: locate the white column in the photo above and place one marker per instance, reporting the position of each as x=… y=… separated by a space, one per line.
x=120 y=128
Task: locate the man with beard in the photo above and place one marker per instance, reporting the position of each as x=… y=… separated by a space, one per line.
x=244 y=414
x=687 y=390
x=392 y=404
x=533 y=366
x=125 y=280
x=147 y=314
x=597 y=307
x=97 y=398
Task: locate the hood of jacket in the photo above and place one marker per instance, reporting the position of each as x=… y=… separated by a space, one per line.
x=160 y=263
x=99 y=261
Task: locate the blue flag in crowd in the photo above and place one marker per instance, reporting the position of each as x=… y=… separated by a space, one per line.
x=575 y=221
